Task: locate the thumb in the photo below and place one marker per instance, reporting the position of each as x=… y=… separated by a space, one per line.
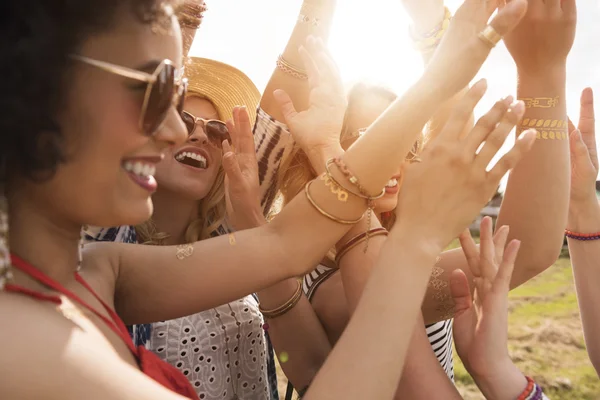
x=509 y=16
x=285 y=104
x=460 y=292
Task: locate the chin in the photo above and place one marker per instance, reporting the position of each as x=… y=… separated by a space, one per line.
x=386 y=205
x=130 y=213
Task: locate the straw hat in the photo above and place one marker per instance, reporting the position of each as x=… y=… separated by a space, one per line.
x=222 y=84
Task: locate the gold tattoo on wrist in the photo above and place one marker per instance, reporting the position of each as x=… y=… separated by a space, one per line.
x=446 y=306
x=184 y=251
x=335 y=188
x=552 y=129
x=305 y=19
x=232 y=241
x=540 y=102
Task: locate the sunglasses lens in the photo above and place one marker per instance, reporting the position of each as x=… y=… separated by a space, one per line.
x=217 y=132
x=189 y=121
x=159 y=99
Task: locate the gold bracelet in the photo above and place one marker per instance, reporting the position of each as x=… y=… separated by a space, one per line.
x=358 y=239
x=540 y=102
x=544 y=123
x=285 y=307
x=429 y=41
x=325 y=213
x=290 y=69
x=334 y=187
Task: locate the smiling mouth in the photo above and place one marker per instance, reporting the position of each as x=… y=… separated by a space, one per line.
x=191 y=159
x=392 y=183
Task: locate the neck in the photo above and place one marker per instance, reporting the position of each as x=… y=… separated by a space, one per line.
x=173 y=214
x=50 y=243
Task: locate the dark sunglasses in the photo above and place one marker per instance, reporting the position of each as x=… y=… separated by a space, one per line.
x=164 y=87
x=216 y=130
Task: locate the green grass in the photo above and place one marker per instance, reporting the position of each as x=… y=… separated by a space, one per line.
x=545 y=338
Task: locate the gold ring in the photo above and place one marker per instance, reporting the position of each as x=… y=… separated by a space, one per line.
x=490 y=36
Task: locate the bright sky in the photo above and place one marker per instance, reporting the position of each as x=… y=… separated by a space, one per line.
x=370 y=41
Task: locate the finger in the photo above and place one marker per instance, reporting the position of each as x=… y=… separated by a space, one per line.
x=553 y=5
x=285 y=104
x=471 y=251
x=486 y=124
x=330 y=71
x=502 y=281
x=462 y=112
x=231 y=166
x=571 y=125
x=486 y=249
x=511 y=159
x=312 y=70
x=509 y=16
x=232 y=127
x=227 y=148
x=569 y=8
x=496 y=139
x=500 y=238
x=245 y=141
x=587 y=124
x=460 y=292
x=579 y=151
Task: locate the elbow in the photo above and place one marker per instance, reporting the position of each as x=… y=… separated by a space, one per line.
x=534 y=262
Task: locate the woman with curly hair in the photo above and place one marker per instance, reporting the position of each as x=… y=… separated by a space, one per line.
x=82 y=133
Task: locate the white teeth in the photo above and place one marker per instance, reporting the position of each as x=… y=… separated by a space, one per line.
x=391 y=183
x=140 y=168
x=194 y=156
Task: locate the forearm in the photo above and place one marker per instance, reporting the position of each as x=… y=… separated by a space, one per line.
x=539 y=185
x=507 y=383
x=393 y=291
x=314 y=19
x=298 y=333
x=423 y=377
x=585 y=258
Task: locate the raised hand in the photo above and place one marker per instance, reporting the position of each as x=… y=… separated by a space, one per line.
x=320 y=125
x=241 y=169
x=425 y=14
x=451 y=184
x=584 y=154
x=461 y=53
x=544 y=37
x=481 y=327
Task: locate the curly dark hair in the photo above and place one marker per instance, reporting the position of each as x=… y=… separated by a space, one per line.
x=36 y=39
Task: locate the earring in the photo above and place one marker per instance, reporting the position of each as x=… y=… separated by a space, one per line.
x=5 y=264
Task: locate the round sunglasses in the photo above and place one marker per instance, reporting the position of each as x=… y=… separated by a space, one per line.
x=164 y=87
x=215 y=130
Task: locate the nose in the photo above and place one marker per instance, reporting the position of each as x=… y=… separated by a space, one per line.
x=173 y=132
x=199 y=134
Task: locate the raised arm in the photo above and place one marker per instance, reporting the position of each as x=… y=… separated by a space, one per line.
x=539 y=46
x=295 y=241
x=584 y=218
x=314 y=19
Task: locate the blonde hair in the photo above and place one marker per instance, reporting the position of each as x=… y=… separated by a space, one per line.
x=211 y=213
x=295 y=171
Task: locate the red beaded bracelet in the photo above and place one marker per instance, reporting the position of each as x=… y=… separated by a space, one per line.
x=582 y=236
x=528 y=390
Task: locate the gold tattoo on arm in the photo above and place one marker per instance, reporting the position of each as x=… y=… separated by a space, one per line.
x=540 y=102
x=553 y=129
x=445 y=306
x=184 y=251
x=232 y=239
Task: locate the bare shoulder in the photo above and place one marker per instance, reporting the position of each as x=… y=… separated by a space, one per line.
x=46 y=356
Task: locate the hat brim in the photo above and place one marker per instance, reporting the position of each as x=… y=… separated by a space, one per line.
x=225 y=86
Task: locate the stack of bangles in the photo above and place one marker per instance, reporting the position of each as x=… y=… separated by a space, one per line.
x=343 y=194
x=285 y=307
x=428 y=42
x=190 y=15
x=532 y=392
x=582 y=236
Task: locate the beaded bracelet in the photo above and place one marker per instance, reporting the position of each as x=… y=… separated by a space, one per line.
x=582 y=236
x=532 y=391
x=290 y=69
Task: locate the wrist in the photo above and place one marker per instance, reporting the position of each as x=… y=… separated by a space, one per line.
x=422 y=23
x=584 y=215
x=318 y=155
x=505 y=382
x=548 y=74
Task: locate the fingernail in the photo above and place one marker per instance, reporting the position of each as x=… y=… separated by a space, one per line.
x=508 y=100
x=527 y=134
x=518 y=107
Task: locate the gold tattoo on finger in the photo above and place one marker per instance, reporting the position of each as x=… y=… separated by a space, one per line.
x=232 y=241
x=540 y=102
x=340 y=192
x=184 y=251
